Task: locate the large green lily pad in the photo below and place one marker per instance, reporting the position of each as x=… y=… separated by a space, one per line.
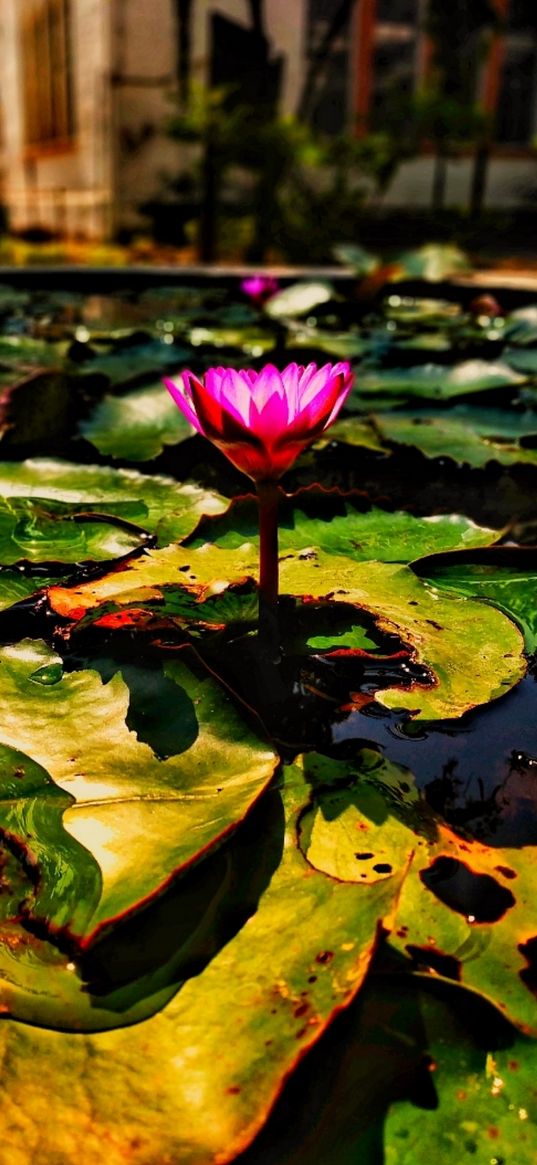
x=465 y=907
x=464 y=437
x=298 y=299
x=141 y=817
x=45 y=530
x=435 y=381
x=208 y=1068
x=486 y=1101
x=136 y=426
x=510 y=586
x=473 y=652
x=362 y=536
x=159 y=505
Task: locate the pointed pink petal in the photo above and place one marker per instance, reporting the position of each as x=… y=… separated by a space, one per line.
x=267 y=382
x=291 y=380
x=314 y=418
x=213 y=382
x=315 y=385
x=271 y=420
x=236 y=395
x=177 y=391
x=208 y=410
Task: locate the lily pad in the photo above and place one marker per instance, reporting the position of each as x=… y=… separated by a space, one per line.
x=221 y=1050
x=409 y=309
x=521 y=326
x=137 y=426
x=373 y=534
x=344 y=345
x=137 y=362
x=434 y=381
x=38 y=530
x=159 y=505
x=434 y=262
x=510 y=587
x=465 y=912
x=74 y=727
x=474 y=653
x=464 y=906
x=16 y=586
x=361 y=261
x=299 y=299
x=523 y=360
x=358 y=431
x=463 y=438
x=485 y=1101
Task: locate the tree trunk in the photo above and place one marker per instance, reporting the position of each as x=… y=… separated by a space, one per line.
x=439 y=181
x=479 y=179
x=209 y=203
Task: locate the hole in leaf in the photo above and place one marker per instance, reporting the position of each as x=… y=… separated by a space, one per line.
x=478 y=896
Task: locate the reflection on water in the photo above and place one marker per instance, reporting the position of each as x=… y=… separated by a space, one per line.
x=479 y=771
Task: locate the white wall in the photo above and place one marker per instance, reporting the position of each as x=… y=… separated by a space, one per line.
x=69 y=190
x=143 y=65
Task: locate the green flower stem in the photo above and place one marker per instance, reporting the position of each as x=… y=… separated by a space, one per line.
x=268 y=494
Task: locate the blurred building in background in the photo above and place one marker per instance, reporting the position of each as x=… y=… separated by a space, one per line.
x=85 y=90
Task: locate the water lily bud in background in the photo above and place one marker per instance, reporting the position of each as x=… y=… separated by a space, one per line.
x=263 y=420
x=259 y=288
x=485 y=305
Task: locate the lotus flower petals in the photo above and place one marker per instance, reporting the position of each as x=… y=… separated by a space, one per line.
x=183 y=398
x=263 y=420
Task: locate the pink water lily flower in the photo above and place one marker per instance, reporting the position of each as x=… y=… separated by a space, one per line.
x=263 y=420
x=259 y=288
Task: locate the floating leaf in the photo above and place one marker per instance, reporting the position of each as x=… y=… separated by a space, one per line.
x=16 y=586
x=485 y=1102
x=221 y=1050
x=463 y=909
x=298 y=299
x=344 y=345
x=356 y=431
x=133 y=363
x=31 y=352
x=434 y=381
x=521 y=325
x=38 y=530
x=474 y=653
x=462 y=437
x=159 y=505
x=136 y=426
x=465 y=913
x=362 y=262
x=510 y=587
x=523 y=360
x=434 y=262
x=409 y=309
x=114 y=778
x=374 y=534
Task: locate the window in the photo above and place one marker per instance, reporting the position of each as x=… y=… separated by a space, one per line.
x=393 y=66
x=46 y=54
x=397 y=11
x=522 y=15
x=517 y=81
